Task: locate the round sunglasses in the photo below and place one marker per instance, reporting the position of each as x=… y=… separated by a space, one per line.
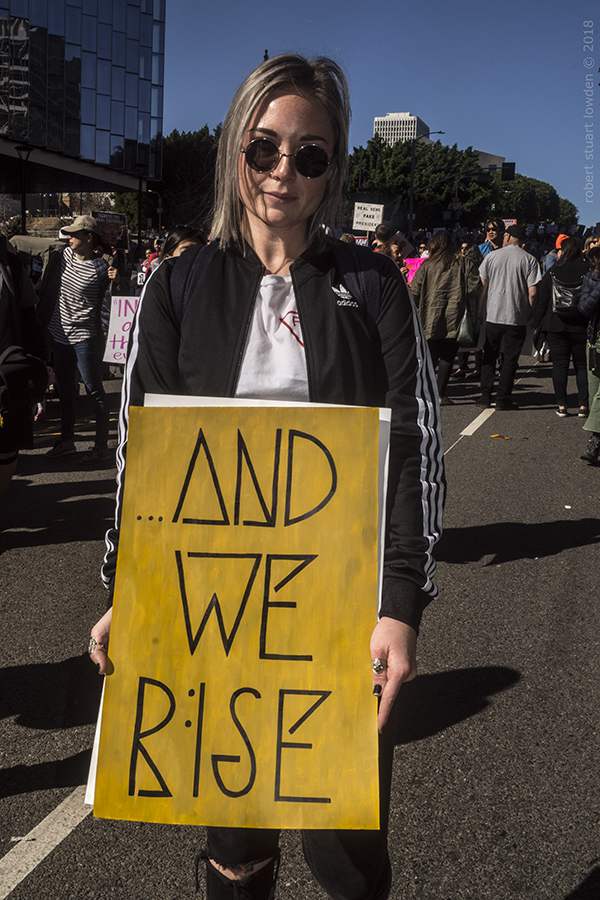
x=263 y=155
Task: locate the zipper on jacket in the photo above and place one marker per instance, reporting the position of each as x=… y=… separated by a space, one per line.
x=238 y=364
x=307 y=350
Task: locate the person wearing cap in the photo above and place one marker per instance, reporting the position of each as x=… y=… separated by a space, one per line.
x=509 y=277
x=71 y=294
x=551 y=257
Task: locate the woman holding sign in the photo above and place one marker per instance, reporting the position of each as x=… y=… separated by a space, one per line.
x=273 y=309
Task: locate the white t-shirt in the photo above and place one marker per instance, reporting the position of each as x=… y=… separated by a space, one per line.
x=274 y=363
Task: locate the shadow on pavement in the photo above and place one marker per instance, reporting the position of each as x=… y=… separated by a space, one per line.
x=501 y=542
x=588 y=889
x=58 y=695
x=35 y=514
x=38 y=463
x=69 y=772
x=432 y=703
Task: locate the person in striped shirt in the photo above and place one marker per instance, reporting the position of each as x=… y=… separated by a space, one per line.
x=71 y=292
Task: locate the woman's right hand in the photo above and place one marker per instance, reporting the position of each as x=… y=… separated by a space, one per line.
x=100 y=632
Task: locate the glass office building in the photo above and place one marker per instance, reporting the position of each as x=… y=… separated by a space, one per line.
x=84 y=78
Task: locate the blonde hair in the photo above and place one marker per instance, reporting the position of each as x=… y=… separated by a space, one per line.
x=321 y=79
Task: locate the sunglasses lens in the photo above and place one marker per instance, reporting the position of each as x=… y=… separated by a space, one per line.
x=311 y=161
x=262 y=155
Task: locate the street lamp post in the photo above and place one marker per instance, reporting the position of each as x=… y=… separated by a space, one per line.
x=159 y=207
x=139 y=217
x=23 y=152
x=411 y=183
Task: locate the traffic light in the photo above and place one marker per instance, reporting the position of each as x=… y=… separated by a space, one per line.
x=508 y=171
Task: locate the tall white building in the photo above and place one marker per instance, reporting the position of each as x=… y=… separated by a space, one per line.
x=399 y=126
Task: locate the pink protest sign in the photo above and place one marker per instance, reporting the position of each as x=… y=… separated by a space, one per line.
x=412 y=264
x=122 y=312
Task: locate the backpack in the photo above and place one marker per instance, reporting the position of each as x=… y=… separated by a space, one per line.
x=365 y=286
x=565 y=298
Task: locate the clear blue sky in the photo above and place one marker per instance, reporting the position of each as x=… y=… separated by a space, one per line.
x=507 y=77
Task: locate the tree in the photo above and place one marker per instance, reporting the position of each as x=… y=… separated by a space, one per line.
x=446 y=180
x=526 y=199
x=127 y=202
x=449 y=185
x=567 y=213
x=187 y=187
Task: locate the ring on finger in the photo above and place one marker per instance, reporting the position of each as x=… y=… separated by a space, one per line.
x=94 y=645
x=379 y=666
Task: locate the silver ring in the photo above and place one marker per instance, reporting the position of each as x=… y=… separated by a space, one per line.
x=379 y=666
x=94 y=645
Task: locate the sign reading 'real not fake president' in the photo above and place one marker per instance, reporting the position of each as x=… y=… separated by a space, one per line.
x=367 y=216
x=246 y=593
x=122 y=313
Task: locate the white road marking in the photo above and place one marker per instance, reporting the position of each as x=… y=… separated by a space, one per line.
x=41 y=840
x=446 y=452
x=483 y=416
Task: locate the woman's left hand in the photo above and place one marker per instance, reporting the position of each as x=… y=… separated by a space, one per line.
x=395 y=643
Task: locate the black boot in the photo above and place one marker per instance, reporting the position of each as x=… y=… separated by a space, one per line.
x=260 y=886
x=592 y=451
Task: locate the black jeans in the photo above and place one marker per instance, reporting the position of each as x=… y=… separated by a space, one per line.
x=443 y=351
x=507 y=339
x=87 y=357
x=564 y=346
x=349 y=865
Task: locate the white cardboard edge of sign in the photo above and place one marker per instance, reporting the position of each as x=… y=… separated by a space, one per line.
x=177 y=400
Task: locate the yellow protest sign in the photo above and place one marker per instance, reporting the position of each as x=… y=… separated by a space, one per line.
x=246 y=593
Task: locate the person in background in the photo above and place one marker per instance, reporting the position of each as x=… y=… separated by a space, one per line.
x=589 y=307
x=509 y=277
x=565 y=331
x=71 y=293
x=494 y=237
x=181 y=239
x=149 y=257
x=19 y=328
x=438 y=292
x=384 y=248
x=396 y=255
x=383 y=234
x=551 y=257
x=471 y=260
x=422 y=250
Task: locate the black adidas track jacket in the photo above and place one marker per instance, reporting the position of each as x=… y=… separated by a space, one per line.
x=192 y=341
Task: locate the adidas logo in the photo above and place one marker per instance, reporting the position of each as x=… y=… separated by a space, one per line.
x=344 y=298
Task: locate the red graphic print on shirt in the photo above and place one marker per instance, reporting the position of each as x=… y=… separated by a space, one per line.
x=291 y=320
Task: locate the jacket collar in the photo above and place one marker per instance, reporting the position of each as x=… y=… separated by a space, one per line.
x=317 y=256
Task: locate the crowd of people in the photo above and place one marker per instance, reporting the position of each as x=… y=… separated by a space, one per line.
x=478 y=297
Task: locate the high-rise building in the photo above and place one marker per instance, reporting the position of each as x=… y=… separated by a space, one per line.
x=83 y=79
x=399 y=126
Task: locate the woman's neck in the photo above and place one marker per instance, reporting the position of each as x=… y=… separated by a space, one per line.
x=276 y=248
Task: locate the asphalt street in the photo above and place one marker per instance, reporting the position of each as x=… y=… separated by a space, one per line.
x=496 y=790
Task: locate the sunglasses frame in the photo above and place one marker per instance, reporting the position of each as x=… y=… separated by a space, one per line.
x=280 y=156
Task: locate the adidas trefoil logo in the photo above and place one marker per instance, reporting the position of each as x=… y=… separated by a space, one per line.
x=344 y=298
